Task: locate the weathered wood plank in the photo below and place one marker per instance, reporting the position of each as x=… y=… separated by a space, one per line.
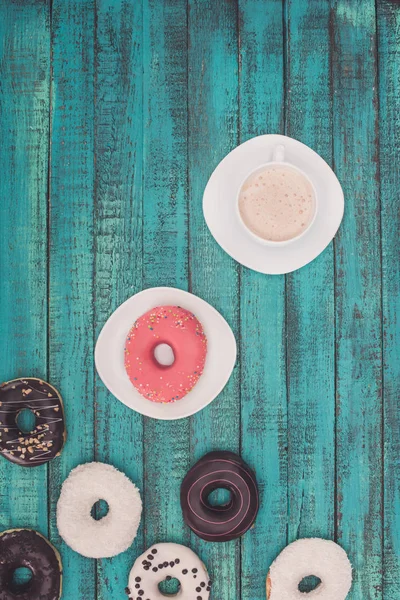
x=118 y=235
x=358 y=296
x=101 y=108
x=71 y=256
x=388 y=19
x=24 y=116
x=165 y=238
x=262 y=309
x=310 y=291
x=214 y=276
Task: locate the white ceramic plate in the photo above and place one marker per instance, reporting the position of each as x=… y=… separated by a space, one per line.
x=220 y=198
x=220 y=359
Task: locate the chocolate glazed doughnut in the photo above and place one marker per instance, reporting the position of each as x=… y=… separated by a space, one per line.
x=219 y=523
x=27 y=548
x=47 y=438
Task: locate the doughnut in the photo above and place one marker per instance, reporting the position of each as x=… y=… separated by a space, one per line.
x=167 y=561
x=219 y=523
x=110 y=535
x=47 y=438
x=322 y=558
x=29 y=549
x=183 y=333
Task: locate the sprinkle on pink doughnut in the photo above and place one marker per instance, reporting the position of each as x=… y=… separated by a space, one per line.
x=183 y=332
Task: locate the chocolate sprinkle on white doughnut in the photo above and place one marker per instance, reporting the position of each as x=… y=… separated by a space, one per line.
x=172 y=561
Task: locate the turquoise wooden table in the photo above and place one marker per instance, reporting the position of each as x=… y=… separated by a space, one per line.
x=113 y=115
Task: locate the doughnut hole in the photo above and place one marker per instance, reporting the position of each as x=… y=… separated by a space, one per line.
x=309 y=584
x=164 y=355
x=26 y=420
x=170 y=586
x=99 y=510
x=219 y=497
x=20 y=580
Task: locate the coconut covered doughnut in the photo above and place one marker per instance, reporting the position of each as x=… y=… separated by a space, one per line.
x=29 y=549
x=114 y=533
x=177 y=328
x=167 y=561
x=322 y=558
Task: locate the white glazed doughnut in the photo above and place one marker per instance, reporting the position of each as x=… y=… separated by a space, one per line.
x=167 y=561
x=112 y=534
x=322 y=558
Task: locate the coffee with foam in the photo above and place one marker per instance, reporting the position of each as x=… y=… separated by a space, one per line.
x=277 y=203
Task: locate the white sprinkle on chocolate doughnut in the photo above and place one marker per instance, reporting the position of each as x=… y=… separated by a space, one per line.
x=46 y=440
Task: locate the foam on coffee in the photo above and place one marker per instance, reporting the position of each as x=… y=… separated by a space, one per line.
x=277 y=203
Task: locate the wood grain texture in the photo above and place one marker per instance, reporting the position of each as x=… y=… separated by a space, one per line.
x=71 y=257
x=214 y=276
x=310 y=291
x=118 y=237
x=262 y=309
x=358 y=297
x=165 y=238
x=388 y=19
x=113 y=114
x=24 y=117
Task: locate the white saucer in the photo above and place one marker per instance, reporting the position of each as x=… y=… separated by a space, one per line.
x=220 y=197
x=220 y=360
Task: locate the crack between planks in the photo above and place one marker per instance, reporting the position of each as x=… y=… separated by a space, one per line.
x=378 y=151
x=332 y=49
x=301 y=505
x=143 y=419
x=48 y=232
x=189 y=256
x=95 y=249
x=285 y=70
x=188 y=182
x=239 y=281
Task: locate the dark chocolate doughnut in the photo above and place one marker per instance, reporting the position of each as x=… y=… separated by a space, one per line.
x=219 y=523
x=27 y=548
x=47 y=438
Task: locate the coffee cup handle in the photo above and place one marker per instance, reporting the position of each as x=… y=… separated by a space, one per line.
x=279 y=153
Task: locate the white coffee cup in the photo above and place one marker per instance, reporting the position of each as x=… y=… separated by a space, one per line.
x=278 y=160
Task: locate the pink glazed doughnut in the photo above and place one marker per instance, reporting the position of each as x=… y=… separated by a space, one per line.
x=183 y=332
